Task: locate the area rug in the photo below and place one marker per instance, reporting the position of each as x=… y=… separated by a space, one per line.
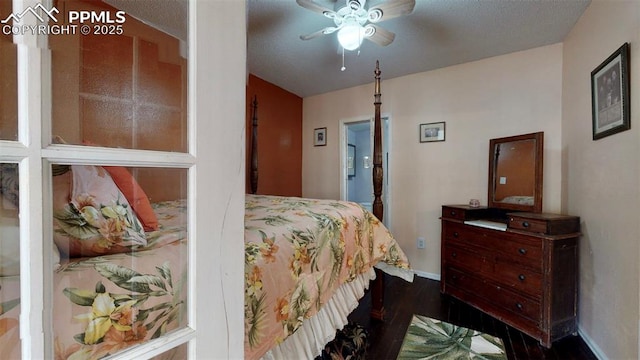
x=350 y=343
x=428 y=338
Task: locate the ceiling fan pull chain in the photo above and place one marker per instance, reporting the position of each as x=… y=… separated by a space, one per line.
x=343 y=68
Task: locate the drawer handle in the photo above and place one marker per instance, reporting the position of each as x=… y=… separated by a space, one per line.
x=453 y=213
x=522 y=251
x=521 y=277
x=519 y=306
x=455 y=234
x=525 y=224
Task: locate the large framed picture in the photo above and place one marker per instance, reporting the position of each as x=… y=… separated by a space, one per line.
x=432 y=132
x=610 y=94
x=320 y=136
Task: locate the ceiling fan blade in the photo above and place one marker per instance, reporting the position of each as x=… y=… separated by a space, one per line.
x=390 y=9
x=327 y=30
x=315 y=7
x=379 y=35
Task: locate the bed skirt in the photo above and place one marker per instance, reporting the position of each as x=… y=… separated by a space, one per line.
x=309 y=340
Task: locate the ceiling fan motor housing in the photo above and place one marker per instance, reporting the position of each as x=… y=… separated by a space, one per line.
x=354 y=12
x=354 y=21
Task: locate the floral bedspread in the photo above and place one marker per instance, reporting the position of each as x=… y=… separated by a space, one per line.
x=297 y=253
x=107 y=303
x=9 y=317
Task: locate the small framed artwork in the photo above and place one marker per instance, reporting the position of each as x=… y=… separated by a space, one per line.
x=610 y=94
x=432 y=132
x=320 y=136
x=351 y=157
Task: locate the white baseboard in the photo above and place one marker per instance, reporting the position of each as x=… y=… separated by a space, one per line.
x=591 y=344
x=427 y=275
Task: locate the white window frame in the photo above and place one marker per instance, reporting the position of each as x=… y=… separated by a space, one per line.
x=216 y=203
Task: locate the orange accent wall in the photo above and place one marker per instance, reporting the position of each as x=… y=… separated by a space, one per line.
x=279 y=138
x=127 y=90
x=9 y=84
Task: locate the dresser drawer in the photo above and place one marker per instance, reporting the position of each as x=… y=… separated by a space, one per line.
x=473 y=262
x=484 y=264
x=508 y=300
x=465 y=212
x=451 y=212
x=510 y=247
x=532 y=225
x=548 y=224
x=518 y=278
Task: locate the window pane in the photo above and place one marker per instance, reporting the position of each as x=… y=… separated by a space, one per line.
x=123 y=270
x=124 y=89
x=8 y=83
x=177 y=353
x=9 y=262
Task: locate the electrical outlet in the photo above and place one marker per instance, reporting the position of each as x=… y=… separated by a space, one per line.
x=421 y=243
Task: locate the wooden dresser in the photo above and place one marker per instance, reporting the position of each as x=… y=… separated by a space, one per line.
x=525 y=274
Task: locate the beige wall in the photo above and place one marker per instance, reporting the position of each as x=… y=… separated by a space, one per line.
x=501 y=96
x=544 y=89
x=601 y=181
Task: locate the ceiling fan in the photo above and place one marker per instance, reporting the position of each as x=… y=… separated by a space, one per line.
x=354 y=22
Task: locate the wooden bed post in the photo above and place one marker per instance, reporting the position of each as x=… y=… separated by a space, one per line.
x=377 y=288
x=254 y=146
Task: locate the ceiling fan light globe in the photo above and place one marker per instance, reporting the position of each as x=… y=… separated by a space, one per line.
x=369 y=31
x=374 y=15
x=329 y=14
x=355 y=5
x=350 y=36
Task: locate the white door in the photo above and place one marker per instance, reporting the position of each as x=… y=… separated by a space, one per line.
x=358 y=164
x=199 y=153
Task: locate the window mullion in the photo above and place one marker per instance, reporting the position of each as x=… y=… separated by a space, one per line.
x=33 y=288
x=31 y=216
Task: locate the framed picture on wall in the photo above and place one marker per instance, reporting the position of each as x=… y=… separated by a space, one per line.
x=320 y=136
x=610 y=94
x=432 y=132
x=351 y=158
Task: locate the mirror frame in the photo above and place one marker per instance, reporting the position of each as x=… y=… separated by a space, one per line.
x=537 y=191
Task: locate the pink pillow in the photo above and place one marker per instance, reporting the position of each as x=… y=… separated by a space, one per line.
x=97 y=219
x=135 y=195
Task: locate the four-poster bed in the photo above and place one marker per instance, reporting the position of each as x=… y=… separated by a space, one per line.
x=328 y=246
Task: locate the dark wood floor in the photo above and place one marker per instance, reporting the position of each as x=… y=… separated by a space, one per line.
x=423 y=297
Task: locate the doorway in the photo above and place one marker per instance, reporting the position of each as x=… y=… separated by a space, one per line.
x=358 y=164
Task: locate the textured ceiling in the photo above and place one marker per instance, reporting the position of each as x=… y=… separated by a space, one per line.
x=169 y=16
x=437 y=34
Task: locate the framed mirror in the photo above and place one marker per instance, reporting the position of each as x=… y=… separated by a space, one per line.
x=515 y=172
